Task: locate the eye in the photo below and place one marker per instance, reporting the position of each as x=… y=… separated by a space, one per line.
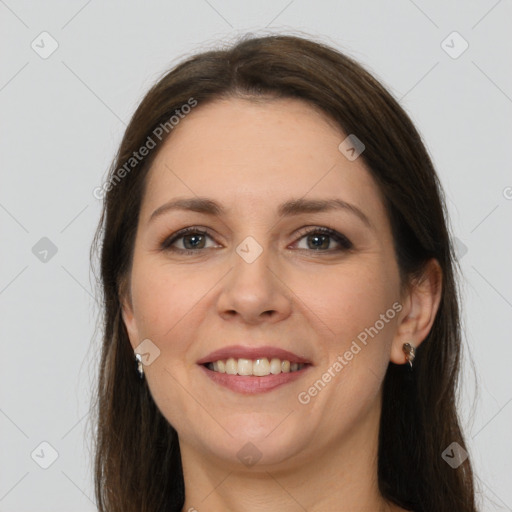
x=320 y=236
x=193 y=240
x=194 y=237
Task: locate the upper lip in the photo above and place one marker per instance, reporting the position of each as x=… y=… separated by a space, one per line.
x=244 y=352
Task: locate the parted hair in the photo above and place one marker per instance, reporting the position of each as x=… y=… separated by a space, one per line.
x=137 y=453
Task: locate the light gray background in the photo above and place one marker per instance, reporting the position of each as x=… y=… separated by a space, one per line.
x=63 y=117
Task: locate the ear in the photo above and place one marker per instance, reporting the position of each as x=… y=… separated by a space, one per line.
x=127 y=314
x=420 y=306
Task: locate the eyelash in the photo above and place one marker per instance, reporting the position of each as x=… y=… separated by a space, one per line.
x=346 y=244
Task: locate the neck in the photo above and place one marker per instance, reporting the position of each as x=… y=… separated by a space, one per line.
x=341 y=476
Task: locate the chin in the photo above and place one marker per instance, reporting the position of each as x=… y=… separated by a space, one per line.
x=260 y=446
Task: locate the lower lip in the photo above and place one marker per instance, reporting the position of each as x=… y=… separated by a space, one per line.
x=250 y=385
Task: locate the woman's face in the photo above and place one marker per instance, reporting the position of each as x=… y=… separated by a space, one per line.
x=263 y=279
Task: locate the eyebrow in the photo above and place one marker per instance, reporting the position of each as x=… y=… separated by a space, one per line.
x=287 y=209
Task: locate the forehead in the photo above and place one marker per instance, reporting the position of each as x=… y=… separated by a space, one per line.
x=249 y=155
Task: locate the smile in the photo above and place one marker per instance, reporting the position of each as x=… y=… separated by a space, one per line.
x=255 y=367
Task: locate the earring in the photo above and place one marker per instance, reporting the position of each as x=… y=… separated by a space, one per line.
x=410 y=352
x=140 y=369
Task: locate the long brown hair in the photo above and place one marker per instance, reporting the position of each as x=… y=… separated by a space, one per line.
x=137 y=454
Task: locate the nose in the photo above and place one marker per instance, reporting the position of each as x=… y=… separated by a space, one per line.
x=255 y=291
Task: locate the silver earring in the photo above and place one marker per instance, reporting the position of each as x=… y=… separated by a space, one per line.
x=410 y=352
x=140 y=369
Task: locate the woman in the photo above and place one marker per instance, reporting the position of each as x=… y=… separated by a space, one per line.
x=281 y=323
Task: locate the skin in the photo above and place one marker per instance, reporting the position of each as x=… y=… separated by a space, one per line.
x=250 y=157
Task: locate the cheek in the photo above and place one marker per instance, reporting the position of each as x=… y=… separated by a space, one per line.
x=348 y=300
x=164 y=297
x=357 y=307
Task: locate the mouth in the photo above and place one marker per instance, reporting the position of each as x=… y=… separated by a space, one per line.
x=250 y=370
x=260 y=367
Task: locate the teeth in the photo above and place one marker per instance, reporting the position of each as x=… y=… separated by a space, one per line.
x=258 y=367
x=231 y=366
x=244 y=367
x=275 y=366
x=261 y=367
